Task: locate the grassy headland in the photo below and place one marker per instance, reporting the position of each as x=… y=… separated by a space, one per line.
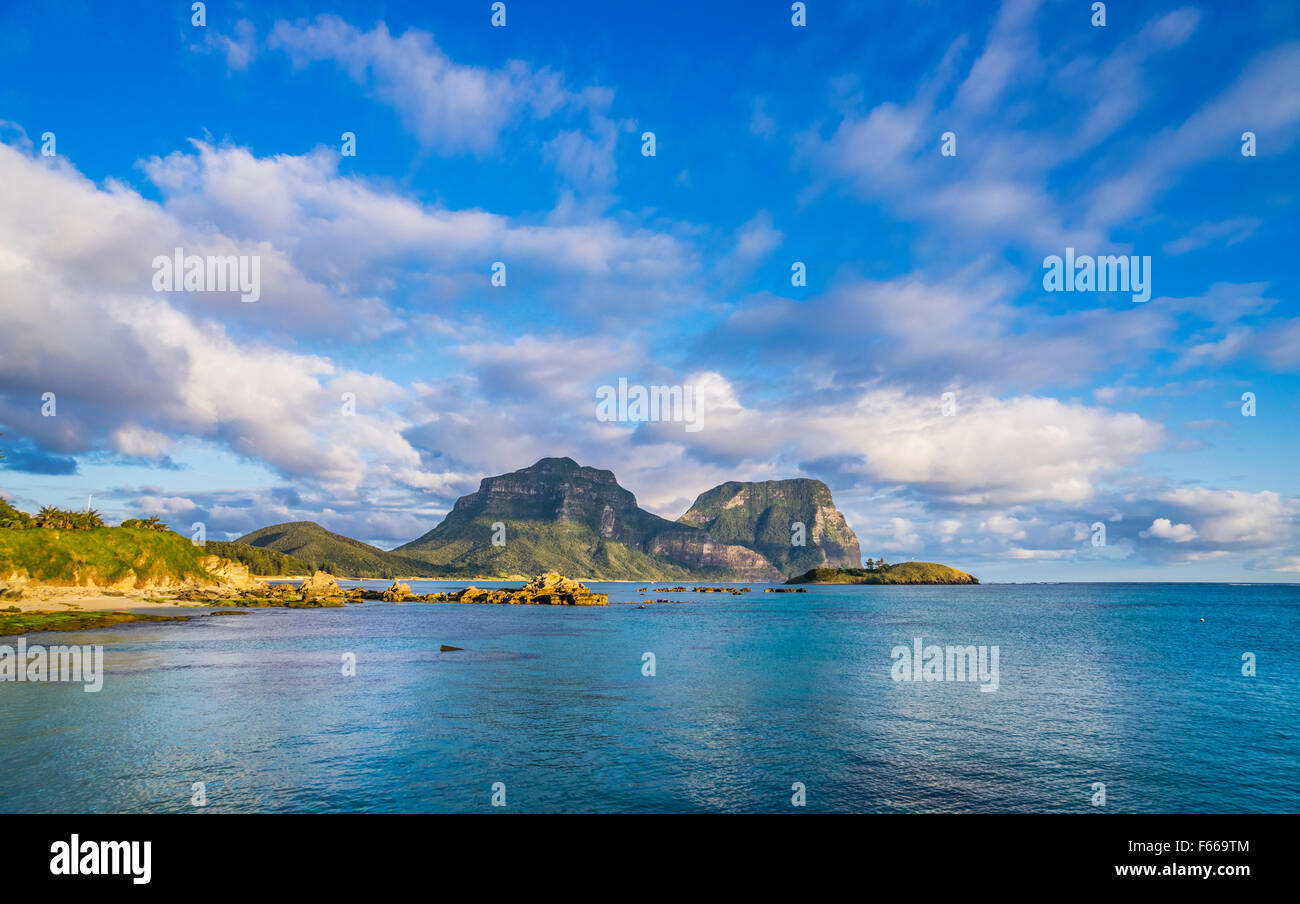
x=902 y=573
x=103 y=556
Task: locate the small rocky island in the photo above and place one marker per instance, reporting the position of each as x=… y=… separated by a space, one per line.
x=548 y=589
x=881 y=573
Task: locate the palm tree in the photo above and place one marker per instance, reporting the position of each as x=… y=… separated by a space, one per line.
x=50 y=518
x=53 y=518
x=153 y=522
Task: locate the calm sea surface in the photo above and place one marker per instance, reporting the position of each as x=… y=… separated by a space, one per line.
x=1116 y=683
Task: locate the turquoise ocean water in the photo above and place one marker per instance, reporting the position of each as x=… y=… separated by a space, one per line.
x=1122 y=684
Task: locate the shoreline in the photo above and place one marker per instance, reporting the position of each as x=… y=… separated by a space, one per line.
x=79 y=599
x=49 y=598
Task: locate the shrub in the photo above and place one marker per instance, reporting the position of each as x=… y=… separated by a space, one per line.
x=150 y=523
x=11 y=517
x=52 y=518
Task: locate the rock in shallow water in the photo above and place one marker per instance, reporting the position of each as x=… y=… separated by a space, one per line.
x=320 y=584
x=549 y=589
x=397 y=593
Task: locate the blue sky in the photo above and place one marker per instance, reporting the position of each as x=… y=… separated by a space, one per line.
x=775 y=144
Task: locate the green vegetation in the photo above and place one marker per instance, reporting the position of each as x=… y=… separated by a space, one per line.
x=902 y=573
x=560 y=516
x=13 y=624
x=10 y=517
x=323 y=550
x=567 y=547
x=51 y=518
x=556 y=516
x=760 y=516
x=102 y=555
x=150 y=523
x=260 y=561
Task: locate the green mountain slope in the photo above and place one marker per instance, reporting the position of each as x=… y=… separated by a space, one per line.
x=534 y=546
x=557 y=515
x=560 y=516
x=764 y=517
x=323 y=550
x=260 y=560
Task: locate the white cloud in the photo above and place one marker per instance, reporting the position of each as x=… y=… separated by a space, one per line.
x=343 y=230
x=1224 y=519
x=751 y=243
x=446 y=104
x=1009 y=54
x=1005 y=188
x=239 y=50
x=995 y=451
x=133 y=369
x=1266 y=96
x=920 y=331
x=134 y=440
x=1164 y=529
x=903 y=536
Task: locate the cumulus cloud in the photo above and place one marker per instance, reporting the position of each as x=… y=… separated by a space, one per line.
x=1164 y=529
x=1228 y=519
x=346 y=232
x=136 y=441
x=887 y=435
x=845 y=385
x=131 y=368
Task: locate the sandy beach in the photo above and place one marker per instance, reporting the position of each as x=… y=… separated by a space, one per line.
x=79 y=599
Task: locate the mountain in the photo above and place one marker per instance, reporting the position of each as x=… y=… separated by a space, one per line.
x=560 y=516
x=764 y=517
x=320 y=549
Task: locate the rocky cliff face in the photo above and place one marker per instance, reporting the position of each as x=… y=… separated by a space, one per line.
x=554 y=489
x=772 y=517
x=704 y=556
x=559 y=515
